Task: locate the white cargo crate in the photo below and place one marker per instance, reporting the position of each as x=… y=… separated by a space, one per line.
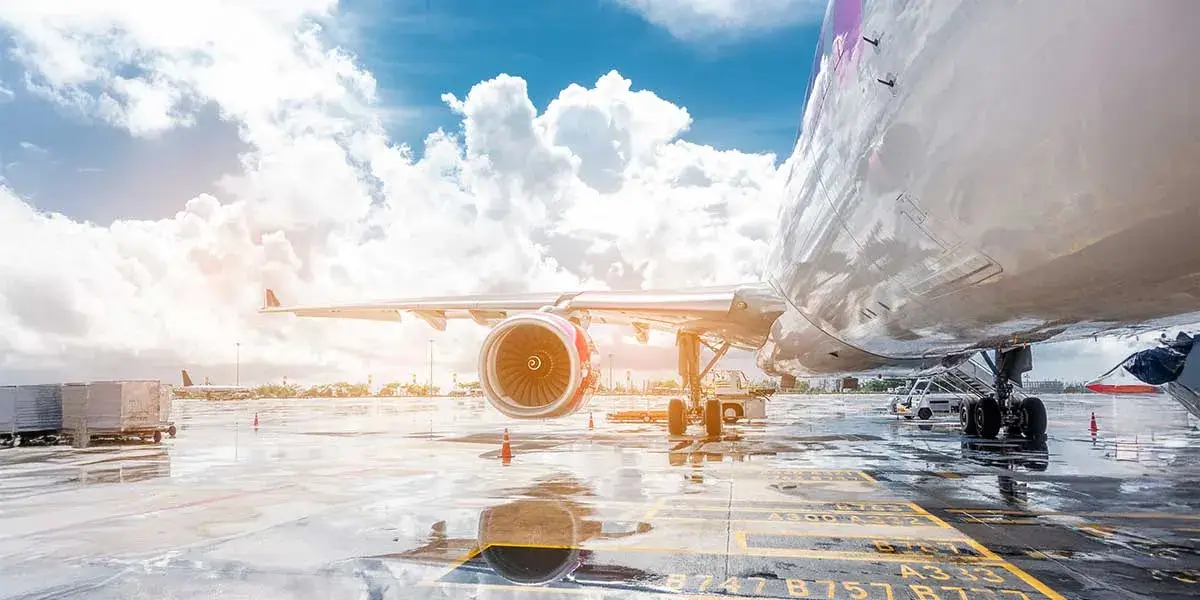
x=116 y=409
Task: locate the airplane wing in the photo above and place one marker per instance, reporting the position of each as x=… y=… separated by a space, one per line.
x=740 y=314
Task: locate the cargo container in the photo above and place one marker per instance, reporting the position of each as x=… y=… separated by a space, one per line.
x=30 y=411
x=116 y=410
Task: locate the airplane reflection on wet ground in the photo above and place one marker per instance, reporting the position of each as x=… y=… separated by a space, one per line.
x=830 y=498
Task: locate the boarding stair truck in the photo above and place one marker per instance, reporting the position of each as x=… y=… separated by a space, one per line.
x=991 y=395
x=738 y=397
x=924 y=398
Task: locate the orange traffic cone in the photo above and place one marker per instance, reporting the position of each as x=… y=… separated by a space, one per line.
x=591 y=423
x=505 y=448
x=1093 y=428
x=256 y=421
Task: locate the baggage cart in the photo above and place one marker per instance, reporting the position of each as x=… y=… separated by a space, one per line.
x=116 y=410
x=30 y=412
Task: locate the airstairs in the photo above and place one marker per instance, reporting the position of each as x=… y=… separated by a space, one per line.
x=970 y=380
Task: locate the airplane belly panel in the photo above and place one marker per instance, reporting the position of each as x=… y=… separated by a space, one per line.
x=999 y=172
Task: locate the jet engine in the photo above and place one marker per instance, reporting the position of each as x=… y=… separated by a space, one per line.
x=538 y=365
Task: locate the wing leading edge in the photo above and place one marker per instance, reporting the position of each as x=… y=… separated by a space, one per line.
x=741 y=314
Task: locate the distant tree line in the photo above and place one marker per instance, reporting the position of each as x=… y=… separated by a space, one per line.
x=341 y=389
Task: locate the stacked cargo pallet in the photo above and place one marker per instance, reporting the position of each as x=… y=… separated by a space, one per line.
x=116 y=410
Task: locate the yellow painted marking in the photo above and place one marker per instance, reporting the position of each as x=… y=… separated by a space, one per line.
x=790 y=505
x=972 y=512
x=1032 y=581
x=980 y=548
x=574 y=591
x=986 y=556
x=456 y=563
x=798 y=509
x=921 y=511
x=860 y=536
x=740 y=536
x=820 y=475
x=783 y=520
x=658 y=504
x=1015 y=570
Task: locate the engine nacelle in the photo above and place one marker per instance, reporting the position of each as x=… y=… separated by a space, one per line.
x=538 y=365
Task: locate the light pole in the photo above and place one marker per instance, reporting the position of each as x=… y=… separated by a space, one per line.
x=610 y=383
x=430 y=389
x=237 y=364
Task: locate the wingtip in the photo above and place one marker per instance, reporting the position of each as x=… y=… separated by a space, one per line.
x=270 y=300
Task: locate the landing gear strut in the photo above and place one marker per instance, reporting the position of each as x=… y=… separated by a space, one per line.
x=707 y=412
x=1020 y=416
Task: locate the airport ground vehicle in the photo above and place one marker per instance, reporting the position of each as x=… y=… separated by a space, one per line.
x=739 y=398
x=924 y=399
x=730 y=389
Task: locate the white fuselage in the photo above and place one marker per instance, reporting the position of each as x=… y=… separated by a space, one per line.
x=1025 y=171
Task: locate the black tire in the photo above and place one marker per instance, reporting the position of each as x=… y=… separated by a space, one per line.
x=676 y=417
x=171 y=431
x=966 y=418
x=712 y=418
x=737 y=413
x=1033 y=418
x=157 y=437
x=924 y=413
x=987 y=417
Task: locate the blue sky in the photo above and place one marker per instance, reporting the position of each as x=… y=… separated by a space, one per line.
x=743 y=94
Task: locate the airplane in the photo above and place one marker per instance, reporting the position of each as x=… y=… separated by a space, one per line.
x=969 y=177
x=207 y=387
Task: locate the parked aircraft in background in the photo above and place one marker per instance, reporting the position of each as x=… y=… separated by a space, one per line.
x=207 y=387
x=971 y=177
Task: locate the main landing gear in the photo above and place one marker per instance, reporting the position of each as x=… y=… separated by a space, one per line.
x=706 y=412
x=1018 y=415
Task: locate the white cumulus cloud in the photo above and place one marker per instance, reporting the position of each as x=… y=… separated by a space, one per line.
x=698 y=19
x=598 y=190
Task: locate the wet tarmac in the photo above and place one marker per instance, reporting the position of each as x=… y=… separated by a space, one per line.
x=408 y=498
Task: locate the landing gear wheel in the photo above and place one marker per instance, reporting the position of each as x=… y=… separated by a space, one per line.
x=731 y=413
x=966 y=418
x=712 y=418
x=157 y=437
x=171 y=431
x=987 y=417
x=1033 y=418
x=676 y=417
x=924 y=413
